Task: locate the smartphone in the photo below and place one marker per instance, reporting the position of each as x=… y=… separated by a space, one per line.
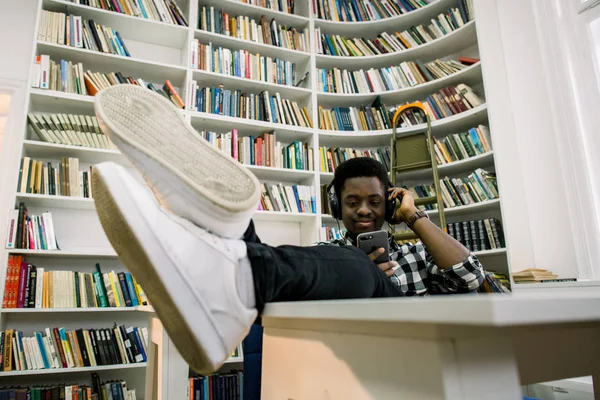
x=371 y=241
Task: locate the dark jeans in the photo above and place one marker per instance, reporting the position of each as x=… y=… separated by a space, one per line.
x=293 y=273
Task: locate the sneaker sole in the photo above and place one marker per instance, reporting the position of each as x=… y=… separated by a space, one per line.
x=124 y=234
x=150 y=130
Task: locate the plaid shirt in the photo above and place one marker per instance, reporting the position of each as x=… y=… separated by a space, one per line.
x=419 y=276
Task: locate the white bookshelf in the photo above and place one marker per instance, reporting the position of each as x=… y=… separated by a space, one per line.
x=159 y=52
x=56 y=371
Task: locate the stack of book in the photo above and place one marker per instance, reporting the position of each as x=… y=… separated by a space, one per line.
x=261 y=107
x=356 y=11
x=285 y=6
x=56 y=348
x=28 y=231
x=64 y=178
x=242 y=27
x=444 y=24
x=495 y=283
x=262 y=150
x=243 y=64
x=166 y=11
x=114 y=389
x=479 y=186
x=219 y=386
x=349 y=119
x=533 y=275
x=478 y=235
x=329 y=233
x=332 y=157
x=407 y=74
x=28 y=286
x=69 y=129
x=460 y=146
x=285 y=198
x=72 y=30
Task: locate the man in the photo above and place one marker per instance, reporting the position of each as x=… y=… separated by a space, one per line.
x=205 y=283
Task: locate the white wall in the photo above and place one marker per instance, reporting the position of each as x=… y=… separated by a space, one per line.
x=17 y=26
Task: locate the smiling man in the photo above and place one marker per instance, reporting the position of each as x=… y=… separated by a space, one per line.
x=187 y=233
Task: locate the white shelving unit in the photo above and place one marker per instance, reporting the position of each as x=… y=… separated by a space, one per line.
x=161 y=51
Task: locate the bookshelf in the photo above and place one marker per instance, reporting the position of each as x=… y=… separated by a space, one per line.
x=161 y=51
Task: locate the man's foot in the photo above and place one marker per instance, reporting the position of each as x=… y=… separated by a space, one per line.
x=189 y=176
x=188 y=274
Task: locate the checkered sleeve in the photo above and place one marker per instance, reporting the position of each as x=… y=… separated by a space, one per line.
x=463 y=277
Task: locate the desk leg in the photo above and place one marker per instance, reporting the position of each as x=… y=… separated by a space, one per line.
x=301 y=364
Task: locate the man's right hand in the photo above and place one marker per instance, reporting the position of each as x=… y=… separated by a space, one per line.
x=387 y=267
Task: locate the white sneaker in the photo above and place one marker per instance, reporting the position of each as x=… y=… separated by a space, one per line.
x=188 y=274
x=188 y=175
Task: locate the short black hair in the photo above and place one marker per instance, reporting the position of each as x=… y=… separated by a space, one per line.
x=356 y=168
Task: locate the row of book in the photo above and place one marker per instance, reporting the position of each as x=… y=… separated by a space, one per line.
x=69 y=129
x=285 y=198
x=71 y=78
x=285 y=6
x=64 y=178
x=243 y=64
x=74 y=31
x=246 y=28
x=332 y=157
x=363 y=118
x=261 y=107
x=478 y=235
x=329 y=233
x=477 y=187
x=262 y=150
x=407 y=74
x=463 y=145
x=29 y=231
x=495 y=283
x=28 y=286
x=55 y=348
x=357 y=11
x=109 y=390
x=384 y=43
x=166 y=11
x=217 y=387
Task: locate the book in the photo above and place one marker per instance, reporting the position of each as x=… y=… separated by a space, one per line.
x=285 y=198
x=532 y=275
x=74 y=31
x=33 y=232
x=286 y=6
x=332 y=157
x=363 y=118
x=405 y=75
x=460 y=146
x=57 y=348
x=166 y=11
x=69 y=129
x=360 y=11
x=98 y=390
x=477 y=235
x=329 y=233
x=216 y=20
x=58 y=178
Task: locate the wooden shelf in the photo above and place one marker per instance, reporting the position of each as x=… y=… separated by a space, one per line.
x=128 y=26
x=72 y=370
x=264 y=49
x=206 y=78
x=95 y=61
x=43 y=200
x=64 y=253
x=469 y=76
x=369 y=139
x=396 y=23
x=459 y=39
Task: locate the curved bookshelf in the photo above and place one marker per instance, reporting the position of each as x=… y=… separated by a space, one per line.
x=128 y=26
x=453 y=168
x=483 y=206
x=470 y=75
x=451 y=43
x=398 y=22
x=281 y=216
x=69 y=310
x=365 y=139
x=45 y=200
x=151 y=71
x=64 y=253
x=252 y=11
x=73 y=370
x=38 y=149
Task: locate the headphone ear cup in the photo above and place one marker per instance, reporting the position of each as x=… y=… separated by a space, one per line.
x=390 y=206
x=334 y=207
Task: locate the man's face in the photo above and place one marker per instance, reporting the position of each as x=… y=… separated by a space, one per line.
x=363 y=205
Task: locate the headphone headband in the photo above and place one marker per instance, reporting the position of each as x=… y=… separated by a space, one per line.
x=335 y=208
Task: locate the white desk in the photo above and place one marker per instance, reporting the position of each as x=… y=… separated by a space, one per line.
x=452 y=347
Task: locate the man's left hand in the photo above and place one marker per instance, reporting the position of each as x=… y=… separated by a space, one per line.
x=407 y=205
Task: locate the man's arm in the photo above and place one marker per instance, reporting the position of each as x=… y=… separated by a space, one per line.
x=443 y=248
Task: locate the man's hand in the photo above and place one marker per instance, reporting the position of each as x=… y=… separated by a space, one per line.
x=387 y=267
x=407 y=206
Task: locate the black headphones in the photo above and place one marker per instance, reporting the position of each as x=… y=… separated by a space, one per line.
x=336 y=210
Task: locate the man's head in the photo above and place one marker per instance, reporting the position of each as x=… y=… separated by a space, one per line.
x=360 y=185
